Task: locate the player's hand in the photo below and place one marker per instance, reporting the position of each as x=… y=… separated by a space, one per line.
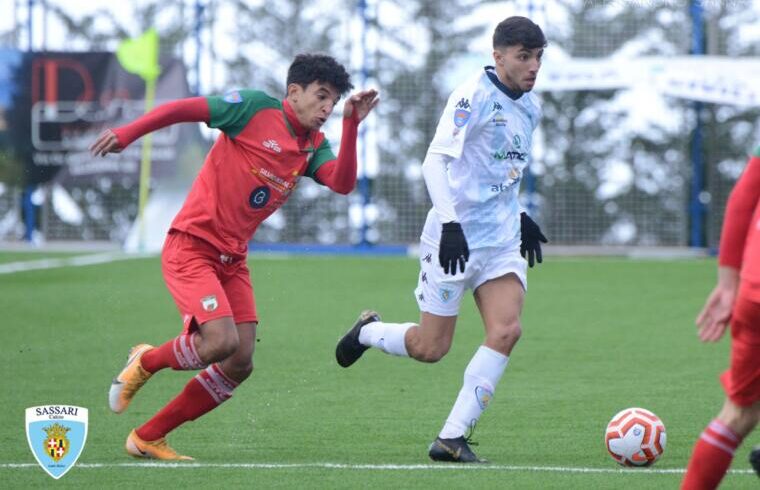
x=360 y=104
x=453 y=248
x=715 y=316
x=531 y=239
x=105 y=143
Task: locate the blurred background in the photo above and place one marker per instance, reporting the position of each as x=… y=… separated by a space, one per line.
x=650 y=111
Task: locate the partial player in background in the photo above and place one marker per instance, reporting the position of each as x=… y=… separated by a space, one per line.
x=265 y=147
x=475 y=232
x=735 y=301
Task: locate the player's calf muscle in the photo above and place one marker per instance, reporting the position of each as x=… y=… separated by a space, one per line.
x=426 y=350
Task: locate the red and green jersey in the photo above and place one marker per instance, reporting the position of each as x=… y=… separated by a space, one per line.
x=250 y=171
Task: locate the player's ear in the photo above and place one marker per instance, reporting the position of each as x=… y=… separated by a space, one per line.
x=498 y=57
x=294 y=91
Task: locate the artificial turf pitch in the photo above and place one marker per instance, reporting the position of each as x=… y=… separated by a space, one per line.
x=599 y=335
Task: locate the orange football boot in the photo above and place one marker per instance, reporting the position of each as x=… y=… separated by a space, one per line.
x=130 y=379
x=158 y=449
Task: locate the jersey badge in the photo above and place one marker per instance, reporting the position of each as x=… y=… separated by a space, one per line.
x=259 y=197
x=462 y=112
x=233 y=97
x=446 y=294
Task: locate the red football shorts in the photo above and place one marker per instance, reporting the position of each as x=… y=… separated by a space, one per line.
x=205 y=284
x=742 y=379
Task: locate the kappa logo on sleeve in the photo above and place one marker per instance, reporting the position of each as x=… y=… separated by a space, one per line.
x=56 y=435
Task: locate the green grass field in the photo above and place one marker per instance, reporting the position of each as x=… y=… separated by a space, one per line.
x=600 y=335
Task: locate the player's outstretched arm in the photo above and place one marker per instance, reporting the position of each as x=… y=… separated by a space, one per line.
x=193 y=109
x=716 y=314
x=340 y=174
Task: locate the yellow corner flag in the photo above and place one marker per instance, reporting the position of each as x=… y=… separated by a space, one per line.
x=140 y=55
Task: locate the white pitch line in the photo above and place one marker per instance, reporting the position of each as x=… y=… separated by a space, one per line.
x=77 y=261
x=380 y=467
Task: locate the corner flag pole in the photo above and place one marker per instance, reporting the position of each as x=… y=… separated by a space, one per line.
x=145 y=164
x=140 y=57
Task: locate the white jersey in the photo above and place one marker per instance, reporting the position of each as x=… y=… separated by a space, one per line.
x=489 y=135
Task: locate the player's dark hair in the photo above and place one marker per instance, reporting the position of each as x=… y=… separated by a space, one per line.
x=516 y=30
x=308 y=68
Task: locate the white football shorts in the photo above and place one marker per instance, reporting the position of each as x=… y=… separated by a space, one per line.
x=440 y=293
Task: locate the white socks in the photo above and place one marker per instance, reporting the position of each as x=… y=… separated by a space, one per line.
x=480 y=378
x=388 y=337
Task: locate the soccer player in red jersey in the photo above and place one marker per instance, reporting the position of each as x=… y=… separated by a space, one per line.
x=266 y=145
x=735 y=300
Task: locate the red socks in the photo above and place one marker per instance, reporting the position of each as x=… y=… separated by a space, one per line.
x=207 y=390
x=179 y=354
x=711 y=457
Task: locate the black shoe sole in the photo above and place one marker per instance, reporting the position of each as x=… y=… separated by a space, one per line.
x=443 y=453
x=349 y=350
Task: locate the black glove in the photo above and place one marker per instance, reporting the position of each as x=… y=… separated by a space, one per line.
x=530 y=239
x=453 y=248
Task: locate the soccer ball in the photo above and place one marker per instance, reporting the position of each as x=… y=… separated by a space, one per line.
x=635 y=437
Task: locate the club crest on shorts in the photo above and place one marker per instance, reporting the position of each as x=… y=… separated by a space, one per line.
x=56 y=436
x=446 y=294
x=209 y=303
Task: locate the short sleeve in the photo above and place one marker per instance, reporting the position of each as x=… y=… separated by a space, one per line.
x=232 y=111
x=457 y=119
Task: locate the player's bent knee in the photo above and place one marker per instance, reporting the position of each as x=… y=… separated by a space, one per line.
x=220 y=347
x=508 y=333
x=228 y=346
x=240 y=372
x=741 y=420
x=504 y=338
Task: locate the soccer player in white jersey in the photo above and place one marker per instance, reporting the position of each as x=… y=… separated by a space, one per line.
x=476 y=229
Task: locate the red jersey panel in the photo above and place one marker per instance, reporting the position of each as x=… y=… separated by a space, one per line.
x=751 y=263
x=251 y=170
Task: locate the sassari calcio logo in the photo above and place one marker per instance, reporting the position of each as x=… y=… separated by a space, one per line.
x=56 y=436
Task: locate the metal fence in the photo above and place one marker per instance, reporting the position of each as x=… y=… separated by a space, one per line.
x=633 y=193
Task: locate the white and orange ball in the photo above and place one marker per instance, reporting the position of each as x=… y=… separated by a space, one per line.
x=635 y=437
